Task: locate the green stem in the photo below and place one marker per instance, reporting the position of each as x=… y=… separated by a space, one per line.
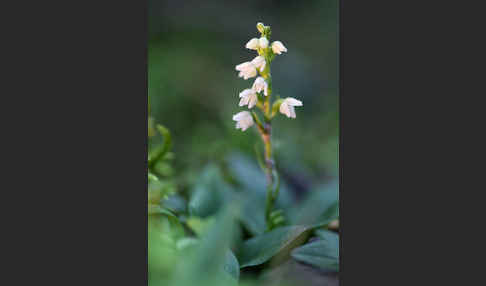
x=265 y=131
x=266 y=134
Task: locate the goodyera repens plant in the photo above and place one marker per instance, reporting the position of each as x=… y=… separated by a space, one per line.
x=260 y=95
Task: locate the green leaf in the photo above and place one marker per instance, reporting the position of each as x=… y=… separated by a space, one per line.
x=261 y=248
x=162 y=255
x=209 y=263
x=231 y=265
x=253 y=182
x=155 y=210
x=330 y=237
x=175 y=203
x=319 y=208
x=200 y=226
x=161 y=218
x=210 y=193
x=158 y=190
x=253 y=215
x=323 y=253
x=152 y=177
x=204 y=201
x=186 y=242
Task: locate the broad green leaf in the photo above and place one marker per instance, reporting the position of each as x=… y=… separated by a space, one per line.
x=330 y=237
x=253 y=215
x=210 y=193
x=231 y=265
x=210 y=263
x=261 y=248
x=319 y=208
x=204 y=201
x=322 y=253
x=253 y=181
x=164 y=220
x=162 y=255
x=175 y=203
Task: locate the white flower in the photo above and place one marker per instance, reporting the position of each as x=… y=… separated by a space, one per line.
x=263 y=42
x=252 y=44
x=278 y=47
x=243 y=120
x=287 y=106
x=259 y=62
x=260 y=27
x=248 y=97
x=247 y=70
x=260 y=84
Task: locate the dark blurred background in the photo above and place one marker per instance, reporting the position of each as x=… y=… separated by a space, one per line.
x=193 y=86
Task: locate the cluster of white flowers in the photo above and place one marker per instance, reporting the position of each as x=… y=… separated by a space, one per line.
x=258 y=66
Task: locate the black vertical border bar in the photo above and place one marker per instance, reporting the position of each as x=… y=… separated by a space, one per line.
x=85 y=151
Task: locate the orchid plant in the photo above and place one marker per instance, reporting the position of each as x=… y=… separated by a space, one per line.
x=260 y=95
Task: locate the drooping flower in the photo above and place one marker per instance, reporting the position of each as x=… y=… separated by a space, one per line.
x=259 y=62
x=287 y=106
x=259 y=85
x=253 y=44
x=244 y=120
x=248 y=97
x=263 y=42
x=278 y=47
x=247 y=70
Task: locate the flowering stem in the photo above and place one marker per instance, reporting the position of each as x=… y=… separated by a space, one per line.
x=260 y=95
x=266 y=134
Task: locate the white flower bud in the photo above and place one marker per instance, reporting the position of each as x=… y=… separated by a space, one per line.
x=278 y=47
x=247 y=70
x=263 y=42
x=287 y=106
x=260 y=84
x=260 y=27
x=259 y=62
x=252 y=44
x=248 y=97
x=244 y=120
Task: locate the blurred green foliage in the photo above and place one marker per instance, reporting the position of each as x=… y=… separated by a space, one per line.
x=206 y=192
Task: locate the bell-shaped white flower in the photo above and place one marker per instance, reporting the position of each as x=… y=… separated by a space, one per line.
x=278 y=47
x=259 y=62
x=263 y=42
x=247 y=70
x=253 y=44
x=244 y=120
x=287 y=106
x=248 y=97
x=259 y=85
